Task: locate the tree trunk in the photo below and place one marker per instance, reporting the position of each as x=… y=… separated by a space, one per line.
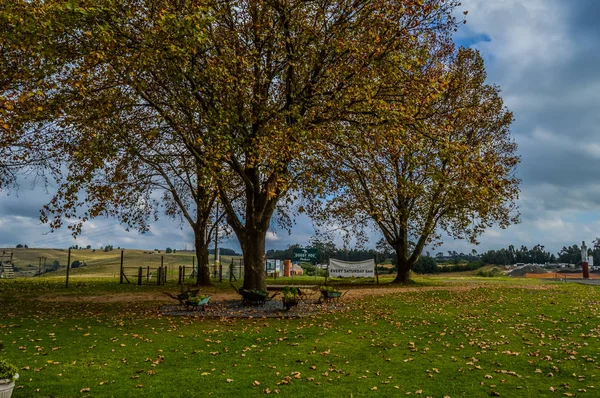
x=203 y=276
x=403 y=275
x=253 y=250
x=404 y=265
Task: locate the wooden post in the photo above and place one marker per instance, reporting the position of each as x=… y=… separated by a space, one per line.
x=68 y=267
x=165 y=275
x=140 y=271
x=220 y=272
x=327 y=271
x=179 y=276
x=147 y=273
x=121 y=276
x=376 y=272
x=159 y=276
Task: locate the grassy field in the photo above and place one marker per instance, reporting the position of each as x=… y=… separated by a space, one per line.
x=472 y=337
x=100 y=263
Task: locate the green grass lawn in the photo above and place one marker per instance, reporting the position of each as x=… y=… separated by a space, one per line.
x=466 y=338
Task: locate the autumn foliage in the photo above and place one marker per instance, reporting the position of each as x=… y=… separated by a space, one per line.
x=237 y=101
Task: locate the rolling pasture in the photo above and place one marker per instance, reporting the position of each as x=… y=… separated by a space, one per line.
x=100 y=263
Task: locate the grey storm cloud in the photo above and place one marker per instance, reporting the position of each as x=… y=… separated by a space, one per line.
x=544 y=55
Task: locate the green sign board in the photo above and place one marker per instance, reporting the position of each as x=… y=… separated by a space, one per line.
x=305 y=255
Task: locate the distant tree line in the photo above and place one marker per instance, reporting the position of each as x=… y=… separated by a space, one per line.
x=77 y=247
x=511 y=255
x=429 y=265
x=224 y=251
x=327 y=250
x=537 y=255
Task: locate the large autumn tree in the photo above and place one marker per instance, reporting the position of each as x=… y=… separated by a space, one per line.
x=24 y=143
x=82 y=86
x=289 y=73
x=243 y=87
x=449 y=167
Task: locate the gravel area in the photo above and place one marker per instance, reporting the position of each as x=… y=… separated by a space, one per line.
x=271 y=309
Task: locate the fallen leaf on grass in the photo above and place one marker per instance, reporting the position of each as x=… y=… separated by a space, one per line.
x=86 y=389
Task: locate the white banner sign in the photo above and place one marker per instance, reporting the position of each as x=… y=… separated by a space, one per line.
x=355 y=268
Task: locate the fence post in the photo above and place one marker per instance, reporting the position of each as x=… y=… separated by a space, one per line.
x=376 y=272
x=220 y=272
x=159 y=275
x=179 y=276
x=68 y=267
x=121 y=276
x=140 y=271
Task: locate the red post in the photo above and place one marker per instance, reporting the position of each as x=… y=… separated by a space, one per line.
x=586 y=271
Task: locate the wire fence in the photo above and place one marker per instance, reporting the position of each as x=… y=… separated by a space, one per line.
x=112 y=263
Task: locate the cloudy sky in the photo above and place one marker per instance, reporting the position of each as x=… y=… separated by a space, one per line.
x=544 y=54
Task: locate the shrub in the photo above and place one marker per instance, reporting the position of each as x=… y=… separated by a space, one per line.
x=290 y=292
x=55 y=265
x=256 y=292
x=324 y=288
x=8 y=370
x=425 y=265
